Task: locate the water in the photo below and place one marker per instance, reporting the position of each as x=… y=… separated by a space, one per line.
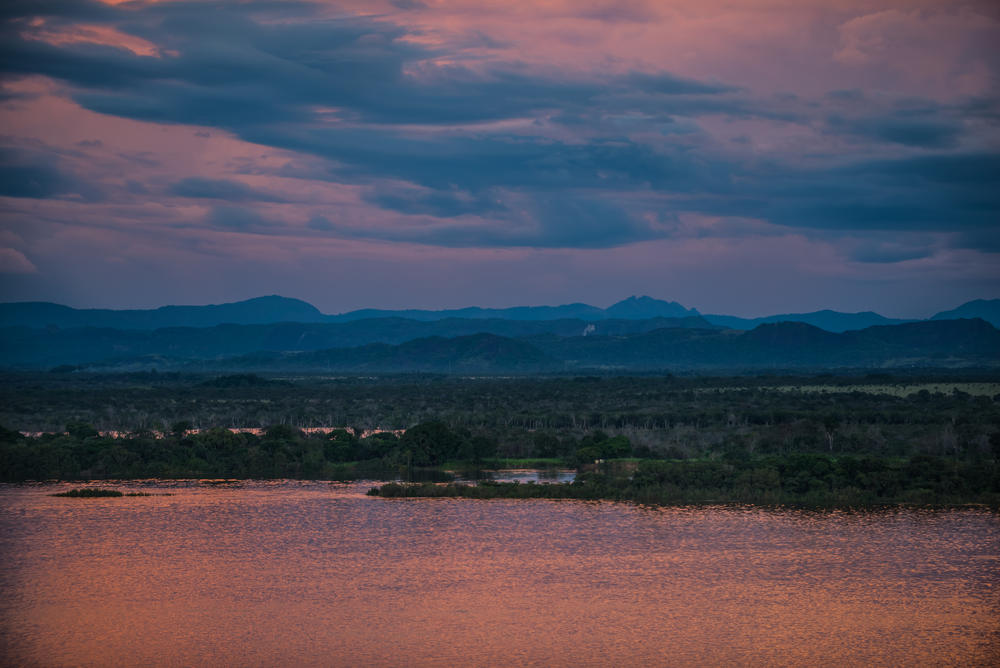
x=299 y=573
x=529 y=475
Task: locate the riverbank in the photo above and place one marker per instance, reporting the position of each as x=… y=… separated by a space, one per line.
x=802 y=480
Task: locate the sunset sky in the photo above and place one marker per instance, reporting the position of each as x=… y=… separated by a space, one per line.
x=738 y=156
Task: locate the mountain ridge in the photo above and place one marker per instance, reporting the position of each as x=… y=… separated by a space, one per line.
x=274 y=309
x=830 y=320
x=964 y=343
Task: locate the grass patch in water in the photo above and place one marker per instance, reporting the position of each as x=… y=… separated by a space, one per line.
x=89 y=493
x=98 y=492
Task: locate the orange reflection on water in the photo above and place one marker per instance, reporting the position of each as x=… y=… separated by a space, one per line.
x=312 y=574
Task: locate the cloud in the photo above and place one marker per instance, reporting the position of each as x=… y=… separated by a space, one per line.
x=928 y=193
x=560 y=220
x=38 y=175
x=237 y=218
x=447 y=143
x=889 y=252
x=439 y=203
x=232 y=191
x=484 y=161
x=923 y=133
x=320 y=224
x=135 y=187
x=232 y=70
x=407 y=5
x=13 y=261
x=950 y=48
x=668 y=84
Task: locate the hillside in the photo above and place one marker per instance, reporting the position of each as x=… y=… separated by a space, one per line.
x=947 y=344
x=252 y=311
x=987 y=309
x=831 y=321
x=22 y=346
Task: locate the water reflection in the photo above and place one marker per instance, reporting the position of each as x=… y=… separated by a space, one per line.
x=309 y=573
x=553 y=475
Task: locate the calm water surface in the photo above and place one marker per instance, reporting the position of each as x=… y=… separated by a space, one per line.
x=293 y=573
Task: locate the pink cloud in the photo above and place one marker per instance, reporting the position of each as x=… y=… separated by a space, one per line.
x=13 y=261
x=89 y=34
x=160 y=240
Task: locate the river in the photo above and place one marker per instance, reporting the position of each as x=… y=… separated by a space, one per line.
x=290 y=573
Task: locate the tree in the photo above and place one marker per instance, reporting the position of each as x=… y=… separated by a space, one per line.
x=546 y=445
x=431 y=443
x=81 y=430
x=180 y=427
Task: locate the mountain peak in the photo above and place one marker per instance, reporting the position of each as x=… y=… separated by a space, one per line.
x=647 y=307
x=987 y=309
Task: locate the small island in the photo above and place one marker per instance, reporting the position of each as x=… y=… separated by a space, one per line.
x=99 y=492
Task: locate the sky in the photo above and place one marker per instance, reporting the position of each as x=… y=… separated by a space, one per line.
x=746 y=157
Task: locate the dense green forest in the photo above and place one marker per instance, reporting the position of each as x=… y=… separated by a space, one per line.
x=872 y=438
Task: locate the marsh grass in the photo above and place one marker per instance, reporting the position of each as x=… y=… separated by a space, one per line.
x=89 y=493
x=98 y=492
x=814 y=481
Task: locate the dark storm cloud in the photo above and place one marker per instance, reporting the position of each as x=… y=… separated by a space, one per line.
x=943 y=193
x=888 y=254
x=233 y=71
x=39 y=176
x=232 y=191
x=964 y=171
x=230 y=70
x=557 y=220
x=906 y=131
x=987 y=240
x=64 y=9
x=477 y=163
x=347 y=91
x=439 y=203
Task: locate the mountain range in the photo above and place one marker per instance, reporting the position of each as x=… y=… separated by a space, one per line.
x=53 y=346
x=831 y=321
x=780 y=346
x=274 y=309
x=637 y=334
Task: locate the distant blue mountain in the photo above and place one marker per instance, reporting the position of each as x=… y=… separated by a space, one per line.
x=633 y=308
x=831 y=321
x=567 y=311
x=260 y=310
x=73 y=345
x=964 y=343
x=987 y=309
x=275 y=309
x=640 y=308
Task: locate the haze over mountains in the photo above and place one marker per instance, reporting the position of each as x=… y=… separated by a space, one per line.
x=636 y=334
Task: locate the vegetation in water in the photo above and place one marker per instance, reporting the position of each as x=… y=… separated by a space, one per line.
x=796 y=480
x=89 y=493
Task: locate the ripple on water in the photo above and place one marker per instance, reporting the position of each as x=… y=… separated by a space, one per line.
x=312 y=573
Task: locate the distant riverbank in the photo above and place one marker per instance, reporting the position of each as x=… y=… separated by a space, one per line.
x=799 y=480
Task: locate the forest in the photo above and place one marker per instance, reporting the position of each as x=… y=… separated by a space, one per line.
x=820 y=439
